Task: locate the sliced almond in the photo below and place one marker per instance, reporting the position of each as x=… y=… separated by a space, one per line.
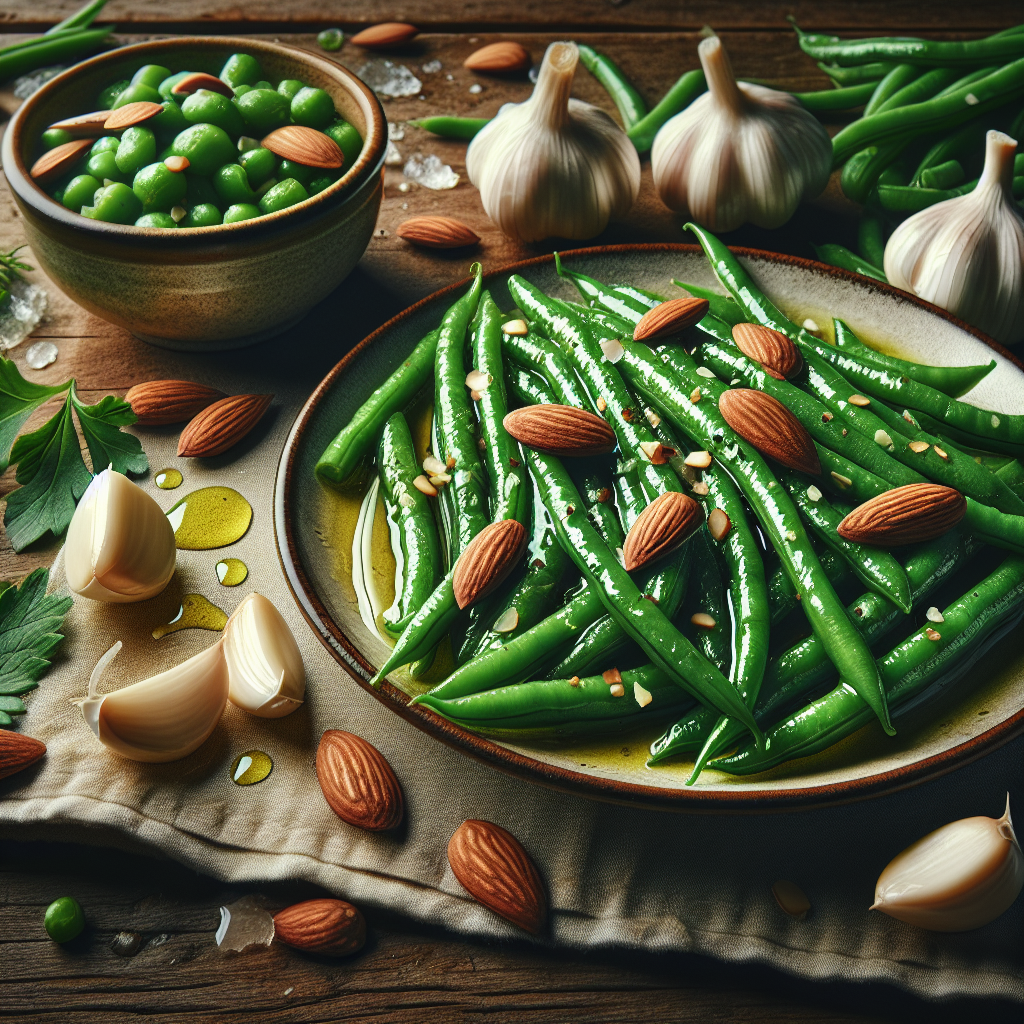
x=699 y=460
x=487 y=560
x=388 y=33
x=131 y=114
x=440 y=479
x=437 y=232
x=941 y=454
x=561 y=430
x=702 y=620
x=424 y=486
x=58 y=161
x=860 y=400
x=668 y=318
x=432 y=465
x=643 y=696
x=517 y=328
x=305 y=146
x=719 y=524
x=919 y=446
x=695 y=395
x=905 y=515
x=776 y=354
x=498 y=58
x=84 y=124
x=770 y=427
x=201 y=80
x=657 y=453
x=665 y=524
x=506 y=622
x=601 y=404
x=932 y=634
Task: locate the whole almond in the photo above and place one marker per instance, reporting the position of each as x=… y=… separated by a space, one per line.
x=325 y=926
x=905 y=515
x=670 y=318
x=770 y=427
x=158 y=402
x=498 y=57
x=59 y=160
x=668 y=521
x=17 y=752
x=561 y=430
x=84 y=124
x=358 y=782
x=131 y=114
x=496 y=871
x=201 y=80
x=389 y=33
x=437 y=232
x=778 y=356
x=488 y=558
x=304 y=146
x=222 y=425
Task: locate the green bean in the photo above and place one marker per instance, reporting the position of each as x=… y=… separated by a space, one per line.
x=923 y=87
x=871 y=239
x=547 y=359
x=908 y=670
x=80 y=19
x=899 y=76
x=840 y=256
x=601 y=295
x=528 y=387
x=686 y=89
x=629 y=102
x=782 y=595
x=725 y=307
x=706 y=595
x=46 y=50
x=966 y=142
x=836 y=99
x=1012 y=475
x=858 y=73
x=908 y=199
x=342 y=455
x=451 y=127
x=944 y=175
x=864 y=169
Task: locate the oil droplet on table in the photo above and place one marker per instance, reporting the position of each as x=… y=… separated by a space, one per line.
x=211 y=517
x=251 y=767
x=232 y=571
x=168 y=479
x=195 y=613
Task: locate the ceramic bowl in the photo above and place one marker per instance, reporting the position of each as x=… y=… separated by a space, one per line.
x=201 y=288
x=969 y=714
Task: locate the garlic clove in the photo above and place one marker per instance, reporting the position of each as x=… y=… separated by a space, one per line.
x=967 y=254
x=739 y=152
x=163 y=718
x=120 y=544
x=959 y=877
x=265 y=670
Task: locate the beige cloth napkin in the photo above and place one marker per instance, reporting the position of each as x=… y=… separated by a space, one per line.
x=617 y=876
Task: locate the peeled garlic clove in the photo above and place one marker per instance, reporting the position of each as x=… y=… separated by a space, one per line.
x=739 y=152
x=165 y=717
x=264 y=664
x=959 y=877
x=120 y=544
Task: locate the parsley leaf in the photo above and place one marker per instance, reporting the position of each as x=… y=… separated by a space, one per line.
x=29 y=620
x=109 y=446
x=19 y=398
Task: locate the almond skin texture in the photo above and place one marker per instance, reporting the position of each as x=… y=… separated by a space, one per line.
x=437 y=232
x=201 y=80
x=131 y=114
x=561 y=430
x=85 y=124
x=390 y=33
x=17 y=752
x=487 y=560
x=325 y=926
x=668 y=521
x=770 y=427
x=57 y=161
x=670 y=318
x=778 y=356
x=357 y=782
x=158 y=402
x=498 y=58
x=222 y=425
x=496 y=871
x=905 y=515
x=305 y=146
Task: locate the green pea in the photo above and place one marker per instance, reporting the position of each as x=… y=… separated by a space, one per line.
x=165 y=87
x=103 y=166
x=202 y=215
x=151 y=75
x=319 y=183
x=205 y=146
x=241 y=69
x=242 y=211
x=260 y=164
x=313 y=108
x=284 y=194
x=232 y=185
x=115 y=203
x=105 y=143
x=300 y=172
x=107 y=98
x=349 y=141
x=80 y=191
x=56 y=137
x=288 y=87
x=137 y=94
x=207 y=107
x=137 y=148
x=263 y=110
x=64 y=919
x=199 y=191
x=331 y=39
x=159 y=188
x=241 y=90
x=169 y=122
x=156 y=220
x=263 y=84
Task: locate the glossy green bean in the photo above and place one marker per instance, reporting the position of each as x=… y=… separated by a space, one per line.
x=706 y=596
x=602 y=296
x=782 y=595
x=451 y=127
x=945 y=175
x=839 y=256
x=686 y=89
x=858 y=73
x=921 y=88
x=864 y=169
x=909 y=199
x=845 y=98
x=629 y=102
x=895 y=79
x=725 y=307
x=547 y=359
x=47 y=50
x=871 y=239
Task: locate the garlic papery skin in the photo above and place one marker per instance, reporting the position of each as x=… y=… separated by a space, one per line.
x=959 y=877
x=165 y=717
x=739 y=152
x=265 y=671
x=967 y=254
x=553 y=166
x=120 y=544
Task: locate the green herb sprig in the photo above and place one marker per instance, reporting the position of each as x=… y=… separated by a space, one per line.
x=10 y=269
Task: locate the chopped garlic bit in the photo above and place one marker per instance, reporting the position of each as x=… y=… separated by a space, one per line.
x=617 y=690
x=703 y=620
x=575 y=681
x=791 y=535
x=477 y=380
x=516 y=327
x=918 y=446
x=810 y=325
x=440 y=478
x=813 y=493
x=703 y=371
x=422 y=484
x=432 y=466
x=507 y=621
x=652 y=417
x=882 y=438
x=700 y=488
x=699 y=460
x=695 y=395
x=601 y=404
x=643 y=697
x=719 y=524
x=612 y=349
x=941 y=454
x=407 y=501
x=934 y=615
x=843 y=481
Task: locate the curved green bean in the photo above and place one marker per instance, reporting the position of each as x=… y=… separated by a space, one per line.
x=857 y=73
x=629 y=102
x=895 y=79
x=686 y=89
x=839 y=256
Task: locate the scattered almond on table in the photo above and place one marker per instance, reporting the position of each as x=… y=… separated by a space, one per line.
x=18 y=752
x=388 y=33
x=498 y=58
x=437 y=232
x=157 y=403
x=326 y=926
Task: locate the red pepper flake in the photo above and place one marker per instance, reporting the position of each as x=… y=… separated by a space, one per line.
x=651 y=598
x=539 y=563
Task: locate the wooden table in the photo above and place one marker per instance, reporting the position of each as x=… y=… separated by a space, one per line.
x=407 y=972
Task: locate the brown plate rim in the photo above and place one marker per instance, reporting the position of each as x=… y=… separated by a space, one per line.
x=553 y=776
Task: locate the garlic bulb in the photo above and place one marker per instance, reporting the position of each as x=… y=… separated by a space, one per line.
x=739 y=152
x=165 y=717
x=959 y=877
x=120 y=545
x=967 y=254
x=553 y=166
x=264 y=665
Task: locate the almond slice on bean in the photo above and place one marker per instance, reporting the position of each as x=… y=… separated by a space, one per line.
x=668 y=318
x=131 y=114
x=59 y=160
x=201 y=80
x=84 y=124
x=665 y=524
x=719 y=524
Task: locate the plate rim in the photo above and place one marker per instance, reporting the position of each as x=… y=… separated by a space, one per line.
x=680 y=799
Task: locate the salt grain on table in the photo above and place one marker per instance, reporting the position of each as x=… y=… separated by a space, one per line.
x=392 y=156
x=431 y=67
x=41 y=354
x=390 y=80
x=396 y=132
x=429 y=172
x=23 y=313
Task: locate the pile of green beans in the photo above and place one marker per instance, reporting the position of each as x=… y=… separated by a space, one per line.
x=694 y=645
x=68 y=40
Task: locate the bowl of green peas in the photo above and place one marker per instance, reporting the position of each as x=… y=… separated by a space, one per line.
x=203 y=193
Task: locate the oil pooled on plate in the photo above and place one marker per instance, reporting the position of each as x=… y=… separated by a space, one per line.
x=195 y=613
x=232 y=571
x=211 y=517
